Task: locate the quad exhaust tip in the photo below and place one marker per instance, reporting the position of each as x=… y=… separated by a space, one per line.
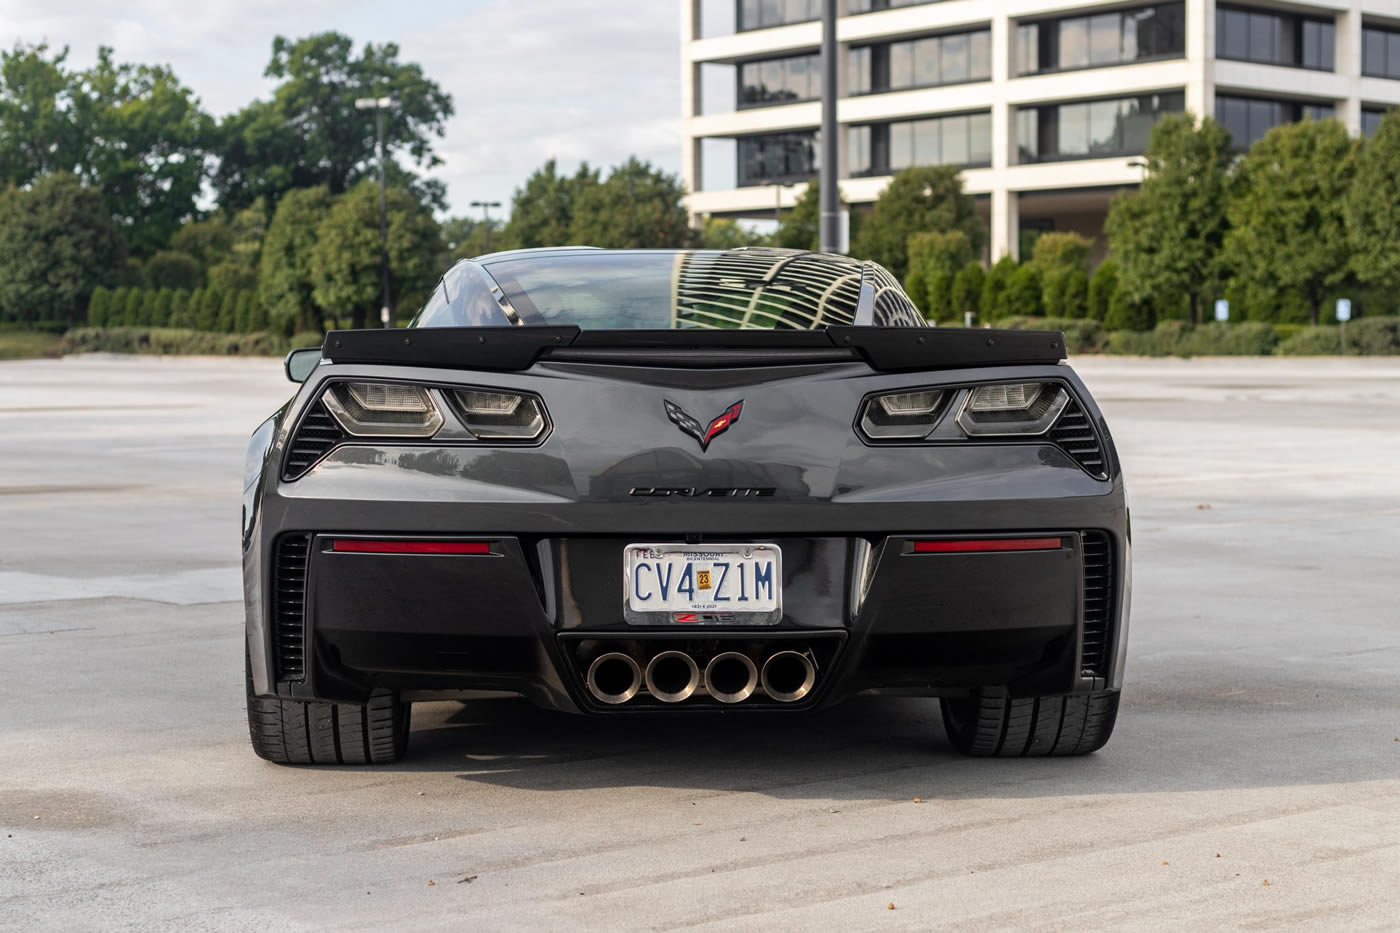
x=788 y=676
x=672 y=676
x=614 y=678
x=731 y=677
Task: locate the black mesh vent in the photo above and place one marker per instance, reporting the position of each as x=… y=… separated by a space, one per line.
x=289 y=606
x=1098 y=601
x=316 y=435
x=1076 y=436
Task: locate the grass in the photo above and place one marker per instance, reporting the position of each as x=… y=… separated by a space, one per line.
x=28 y=345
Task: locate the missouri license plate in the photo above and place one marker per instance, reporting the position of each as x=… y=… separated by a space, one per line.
x=703 y=584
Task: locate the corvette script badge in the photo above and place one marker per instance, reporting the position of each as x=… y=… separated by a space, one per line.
x=703 y=433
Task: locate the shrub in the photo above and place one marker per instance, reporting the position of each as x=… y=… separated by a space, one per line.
x=166 y=340
x=173 y=269
x=227 y=321
x=1373 y=336
x=1124 y=313
x=1066 y=292
x=1082 y=335
x=966 y=292
x=994 y=285
x=1022 y=296
x=1102 y=287
x=255 y=314
x=207 y=315
x=1218 y=338
x=934 y=258
x=98 y=306
x=1311 y=341
x=1061 y=251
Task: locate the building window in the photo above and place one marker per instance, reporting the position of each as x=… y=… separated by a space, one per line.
x=1249 y=118
x=963 y=139
x=1092 y=129
x=1116 y=38
x=780 y=157
x=760 y=14
x=1380 y=52
x=780 y=81
x=1371 y=118
x=1271 y=38
x=928 y=62
x=853 y=7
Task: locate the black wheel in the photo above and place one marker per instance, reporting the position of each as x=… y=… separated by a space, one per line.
x=291 y=732
x=990 y=724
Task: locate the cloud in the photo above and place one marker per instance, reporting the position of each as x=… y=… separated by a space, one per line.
x=579 y=80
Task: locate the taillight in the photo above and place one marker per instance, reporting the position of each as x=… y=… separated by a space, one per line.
x=1012 y=408
x=500 y=416
x=901 y=415
x=383 y=409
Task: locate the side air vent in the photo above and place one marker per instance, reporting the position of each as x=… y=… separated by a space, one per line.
x=1098 y=601
x=1076 y=436
x=289 y=606
x=317 y=434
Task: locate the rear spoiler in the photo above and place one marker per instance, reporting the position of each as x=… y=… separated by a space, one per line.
x=888 y=349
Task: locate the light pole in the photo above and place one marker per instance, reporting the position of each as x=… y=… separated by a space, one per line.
x=486 y=218
x=830 y=220
x=379 y=105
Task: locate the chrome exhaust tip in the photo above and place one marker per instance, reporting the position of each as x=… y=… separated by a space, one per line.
x=672 y=676
x=614 y=678
x=788 y=676
x=731 y=677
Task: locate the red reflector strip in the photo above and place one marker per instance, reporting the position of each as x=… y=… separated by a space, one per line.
x=411 y=547
x=987 y=544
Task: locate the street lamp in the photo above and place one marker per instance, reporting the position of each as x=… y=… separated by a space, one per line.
x=379 y=105
x=486 y=218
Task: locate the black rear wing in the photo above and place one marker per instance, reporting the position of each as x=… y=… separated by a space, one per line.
x=888 y=349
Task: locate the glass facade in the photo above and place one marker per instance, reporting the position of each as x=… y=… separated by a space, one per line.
x=1115 y=38
x=1371 y=120
x=1380 y=52
x=957 y=139
x=1272 y=38
x=1092 y=129
x=1249 y=118
x=851 y=7
x=925 y=62
x=784 y=157
x=780 y=81
x=760 y=14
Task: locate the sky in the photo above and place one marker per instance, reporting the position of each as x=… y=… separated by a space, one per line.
x=593 y=80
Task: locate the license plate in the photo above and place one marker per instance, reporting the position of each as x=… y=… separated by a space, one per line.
x=703 y=584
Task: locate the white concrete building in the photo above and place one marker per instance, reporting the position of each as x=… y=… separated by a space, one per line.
x=1045 y=103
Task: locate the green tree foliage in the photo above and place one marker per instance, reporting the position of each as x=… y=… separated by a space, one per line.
x=233 y=275
x=542 y=210
x=116 y=307
x=40 y=133
x=162 y=307
x=1168 y=236
x=310 y=134
x=211 y=302
x=134 y=314
x=227 y=321
x=1127 y=313
x=256 y=313
x=466 y=237
x=966 y=293
x=723 y=233
x=637 y=207
x=345 y=266
x=57 y=244
x=1287 y=223
x=933 y=260
x=800 y=228
x=189 y=313
x=285 y=285
x=917 y=200
x=207 y=240
x=1065 y=292
x=1102 y=287
x=132 y=273
x=995 y=285
x=1022 y=295
x=98 y=306
x=1372 y=208
x=172 y=269
x=1057 y=251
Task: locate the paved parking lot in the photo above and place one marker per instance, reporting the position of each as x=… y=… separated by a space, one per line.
x=1254 y=781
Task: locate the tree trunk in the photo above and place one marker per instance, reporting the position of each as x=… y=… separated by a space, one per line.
x=357 y=318
x=1315 y=303
x=1195 y=309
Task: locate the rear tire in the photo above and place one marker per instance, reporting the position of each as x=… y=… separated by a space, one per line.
x=990 y=724
x=291 y=732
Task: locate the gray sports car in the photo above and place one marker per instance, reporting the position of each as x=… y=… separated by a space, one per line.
x=678 y=481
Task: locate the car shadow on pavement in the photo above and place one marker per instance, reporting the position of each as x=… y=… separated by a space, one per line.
x=882 y=746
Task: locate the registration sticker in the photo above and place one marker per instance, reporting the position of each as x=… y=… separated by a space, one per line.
x=702 y=584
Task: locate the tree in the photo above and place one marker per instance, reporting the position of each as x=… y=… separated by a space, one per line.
x=933 y=259
x=116 y=308
x=171 y=269
x=186 y=313
x=1102 y=287
x=637 y=207
x=1168 y=236
x=995 y=285
x=800 y=227
x=1055 y=251
x=227 y=321
x=162 y=307
x=1022 y=295
x=1065 y=292
x=723 y=233
x=285 y=285
x=345 y=258
x=39 y=130
x=542 y=210
x=1372 y=208
x=1287 y=221
x=466 y=237
x=310 y=134
x=206 y=316
x=98 y=304
x=233 y=275
x=917 y=200
x=134 y=315
x=966 y=293
x=57 y=244
x=1127 y=313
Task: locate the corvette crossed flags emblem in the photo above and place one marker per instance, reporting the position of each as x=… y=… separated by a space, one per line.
x=703 y=433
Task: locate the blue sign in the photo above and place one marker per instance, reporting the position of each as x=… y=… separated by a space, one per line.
x=1344 y=309
x=1222 y=309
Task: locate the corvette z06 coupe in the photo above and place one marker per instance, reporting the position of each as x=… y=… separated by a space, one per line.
x=675 y=481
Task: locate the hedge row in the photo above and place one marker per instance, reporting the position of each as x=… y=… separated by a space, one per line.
x=168 y=340
x=1372 y=336
x=212 y=309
